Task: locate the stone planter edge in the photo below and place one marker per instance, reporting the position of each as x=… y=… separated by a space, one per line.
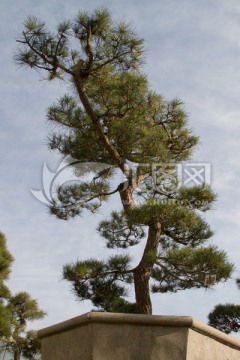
x=139 y=319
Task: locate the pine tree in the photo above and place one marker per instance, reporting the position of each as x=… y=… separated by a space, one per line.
x=15 y=312
x=6 y=260
x=23 y=342
x=226 y=317
x=112 y=117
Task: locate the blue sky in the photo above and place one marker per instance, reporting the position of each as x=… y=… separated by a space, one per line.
x=193 y=52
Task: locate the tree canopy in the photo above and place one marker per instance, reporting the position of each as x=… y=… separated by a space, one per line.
x=24 y=342
x=226 y=317
x=15 y=312
x=113 y=117
x=6 y=260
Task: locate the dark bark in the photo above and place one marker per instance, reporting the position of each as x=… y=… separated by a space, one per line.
x=17 y=354
x=127 y=198
x=143 y=271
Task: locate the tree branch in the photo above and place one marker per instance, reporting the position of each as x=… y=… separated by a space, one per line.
x=89 y=48
x=106 y=273
x=168 y=271
x=95 y=120
x=99 y=195
x=44 y=58
x=111 y=60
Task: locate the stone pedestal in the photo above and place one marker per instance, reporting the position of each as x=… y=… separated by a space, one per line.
x=110 y=336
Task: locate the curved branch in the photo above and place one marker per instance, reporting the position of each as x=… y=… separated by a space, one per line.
x=89 y=48
x=95 y=119
x=99 y=195
x=168 y=271
x=111 y=60
x=43 y=57
x=176 y=267
x=111 y=272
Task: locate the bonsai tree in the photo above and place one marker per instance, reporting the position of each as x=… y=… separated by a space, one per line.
x=113 y=117
x=225 y=317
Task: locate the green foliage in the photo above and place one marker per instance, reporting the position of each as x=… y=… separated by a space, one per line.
x=23 y=309
x=6 y=258
x=197 y=197
x=32 y=346
x=110 y=43
x=100 y=281
x=179 y=224
x=186 y=268
x=15 y=312
x=119 y=233
x=138 y=121
x=5 y=325
x=117 y=305
x=74 y=198
x=225 y=317
x=113 y=43
x=113 y=117
x=79 y=140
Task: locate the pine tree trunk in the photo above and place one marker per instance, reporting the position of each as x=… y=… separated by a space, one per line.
x=143 y=271
x=127 y=198
x=17 y=354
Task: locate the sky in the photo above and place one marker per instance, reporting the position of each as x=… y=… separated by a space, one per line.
x=192 y=52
